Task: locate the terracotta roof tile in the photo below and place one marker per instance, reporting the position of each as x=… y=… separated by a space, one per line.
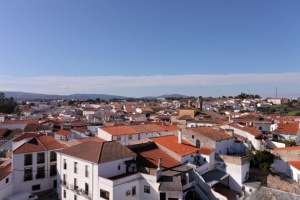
x=141 y=128
x=211 y=133
x=5 y=171
x=25 y=136
x=99 y=152
x=171 y=143
x=148 y=155
x=295 y=164
x=3 y=131
x=64 y=132
x=249 y=129
x=293 y=148
x=291 y=128
x=39 y=143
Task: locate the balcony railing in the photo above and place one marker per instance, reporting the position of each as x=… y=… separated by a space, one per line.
x=85 y=193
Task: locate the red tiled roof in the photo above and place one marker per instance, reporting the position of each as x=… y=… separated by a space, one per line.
x=206 y=150
x=25 y=136
x=293 y=148
x=291 y=128
x=295 y=164
x=64 y=132
x=5 y=171
x=39 y=143
x=211 y=133
x=171 y=143
x=249 y=129
x=99 y=152
x=141 y=128
x=20 y=121
x=148 y=155
x=3 y=131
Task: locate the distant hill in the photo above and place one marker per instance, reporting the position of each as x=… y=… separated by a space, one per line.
x=166 y=96
x=30 y=96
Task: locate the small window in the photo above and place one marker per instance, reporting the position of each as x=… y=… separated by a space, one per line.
x=65 y=163
x=104 y=194
x=52 y=156
x=119 y=167
x=119 y=137
x=7 y=180
x=86 y=171
x=36 y=187
x=27 y=159
x=65 y=194
x=75 y=167
x=260 y=128
x=193 y=136
x=40 y=158
x=75 y=197
x=147 y=189
x=204 y=159
x=133 y=191
x=129 y=137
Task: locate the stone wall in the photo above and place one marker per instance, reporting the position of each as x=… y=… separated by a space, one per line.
x=283 y=183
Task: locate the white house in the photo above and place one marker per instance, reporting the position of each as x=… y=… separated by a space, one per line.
x=128 y=134
x=249 y=132
x=34 y=165
x=6 y=187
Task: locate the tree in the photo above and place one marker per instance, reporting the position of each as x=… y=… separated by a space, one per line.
x=7 y=105
x=262 y=160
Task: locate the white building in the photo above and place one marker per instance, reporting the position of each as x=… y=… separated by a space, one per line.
x=34 y=165
x=128 y=134
x=101 y=170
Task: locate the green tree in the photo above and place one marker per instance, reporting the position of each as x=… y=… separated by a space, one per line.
x=262 y=160
x=7 y=105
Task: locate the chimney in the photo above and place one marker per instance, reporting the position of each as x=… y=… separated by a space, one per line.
x=159 y=169
x=187 y=178
x=179 y=136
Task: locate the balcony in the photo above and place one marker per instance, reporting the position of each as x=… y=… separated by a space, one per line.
x=86 y=194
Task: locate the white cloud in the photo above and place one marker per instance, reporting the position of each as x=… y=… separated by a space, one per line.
x=94 y=84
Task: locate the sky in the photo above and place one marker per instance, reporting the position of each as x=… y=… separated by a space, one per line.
x=140 y=48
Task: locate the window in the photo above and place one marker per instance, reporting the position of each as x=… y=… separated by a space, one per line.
x=204 y=159
x=27 y=159
x=28 y=174
x=52 y=156
x=40 y=172
x=65 y=164
x=104 y=194
x=129 y=137
x=40 y=158
x=53 y=171
x=86 y=189
x=119 y=137
x=7 y=180
x=193 y=136
x=65 y=194
x=86 y=171
x=75 y=197
x=75 y=167
x=36 y=187
x=260 y=128
x=147 y=189
x=133 y=191
x=119 y=167
x=75 y=184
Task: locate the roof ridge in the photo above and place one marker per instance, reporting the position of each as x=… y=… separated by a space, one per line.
x=41 y=141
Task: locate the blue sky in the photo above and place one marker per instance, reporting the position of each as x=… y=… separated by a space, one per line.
x=150 y=47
